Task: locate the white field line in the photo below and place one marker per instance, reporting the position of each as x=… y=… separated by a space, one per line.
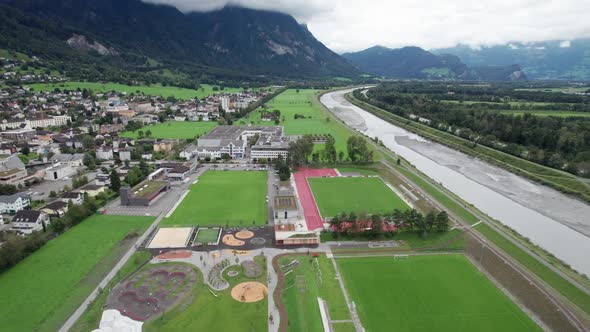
x=325 y=321
x=177 y=204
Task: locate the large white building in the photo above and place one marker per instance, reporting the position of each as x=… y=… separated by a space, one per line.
x=233 y=140
x=44 y=122
x=59 y=171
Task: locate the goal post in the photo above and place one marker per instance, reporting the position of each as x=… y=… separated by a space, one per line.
x=396 y=257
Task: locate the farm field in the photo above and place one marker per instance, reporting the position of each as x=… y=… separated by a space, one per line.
x=152 y=90
x=53 y=281
x=174 y=130
x=291 y=102
x=301 y=289
x=341 y=194
x=202 y=311
x=428 y=293
x=221 y=198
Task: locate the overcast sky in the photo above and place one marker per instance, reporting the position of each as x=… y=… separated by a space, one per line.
x=352 y=25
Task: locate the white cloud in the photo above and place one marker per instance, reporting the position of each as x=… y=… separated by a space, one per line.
x=348 y=25
x=565 y=44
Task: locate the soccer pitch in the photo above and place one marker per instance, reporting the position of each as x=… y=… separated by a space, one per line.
x=46 y=287
x=220 y=198
x=342 y=194
x=174 y=130
x=428 y=293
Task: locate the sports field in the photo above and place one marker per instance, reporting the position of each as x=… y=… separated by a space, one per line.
x=204 y=312
x=291 y=102
x=47 y=286
x=220 y=198
x=301 y=289
x=206 y=235
x=174 y=130
x=342 y=194
x=428 y=293
x=151 y=90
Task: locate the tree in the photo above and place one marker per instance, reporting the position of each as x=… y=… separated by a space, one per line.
x=442 y=221
x=115 y=181
x=330 y=149
x=52 y=194
x=358 y=151
x=25 y=150
x=341 y=156
x=148 y=133
x=300 y=150
x=89 y=161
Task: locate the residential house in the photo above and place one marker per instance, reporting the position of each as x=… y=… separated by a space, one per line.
x=104 y=153
x=28 y=221
x=14 y=203
x=92 y=189
x=56 y=209
x=74 y=160
x=76 y=198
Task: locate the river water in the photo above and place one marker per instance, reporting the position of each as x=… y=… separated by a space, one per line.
x=550 y=219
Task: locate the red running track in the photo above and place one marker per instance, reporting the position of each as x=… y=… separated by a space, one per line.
x=313 y=219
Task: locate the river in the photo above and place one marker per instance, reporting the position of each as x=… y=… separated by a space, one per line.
x=550 y=219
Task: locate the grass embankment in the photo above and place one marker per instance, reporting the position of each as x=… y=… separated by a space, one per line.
x=336 y=195
x=556 y=179
x=46 y=287
x=428 y=293
x=202 y=311
x=150 y=90
x=221 y=198
x=301 y=289
x=174 y=130
x=91 y=317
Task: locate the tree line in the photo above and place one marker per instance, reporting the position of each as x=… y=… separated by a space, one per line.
x=353 y=224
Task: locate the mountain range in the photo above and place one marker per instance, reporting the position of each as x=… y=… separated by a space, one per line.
x=135 y=33
x=564 y=60
x=416 y=63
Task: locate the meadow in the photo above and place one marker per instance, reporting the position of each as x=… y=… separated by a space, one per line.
x=428 y=293
x=46 y=287
x=223 y=198
x=203 y=311
x=151 y=90
x=302 y=103
x=342 y=194
x=301 y=300
x=174 y=130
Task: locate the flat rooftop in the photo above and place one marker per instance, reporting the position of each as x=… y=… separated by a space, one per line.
x=147 y=188
x=235 y=132
x=285 y=202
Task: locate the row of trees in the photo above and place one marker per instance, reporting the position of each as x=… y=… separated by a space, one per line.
x=301 y=151
x=389 y=223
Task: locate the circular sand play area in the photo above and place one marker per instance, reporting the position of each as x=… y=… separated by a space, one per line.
x=249 y=292
x=244 y=234
x=230 y=240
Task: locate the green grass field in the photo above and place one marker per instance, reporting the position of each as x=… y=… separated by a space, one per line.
x=233 y=198
x=152 y=90
x=174 y=130
x=336 y=195
x=428 y=293
x=291 y=102
x=204 y=312
x=206 y=235
x=301 y=301
x=47 y=286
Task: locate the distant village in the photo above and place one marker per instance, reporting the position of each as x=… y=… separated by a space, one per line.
x=58 y=147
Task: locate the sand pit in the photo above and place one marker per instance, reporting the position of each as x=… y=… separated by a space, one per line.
x=230 y=240
x=244 y=234
x=171 y=238
x=249 y=292
x=175 y=254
